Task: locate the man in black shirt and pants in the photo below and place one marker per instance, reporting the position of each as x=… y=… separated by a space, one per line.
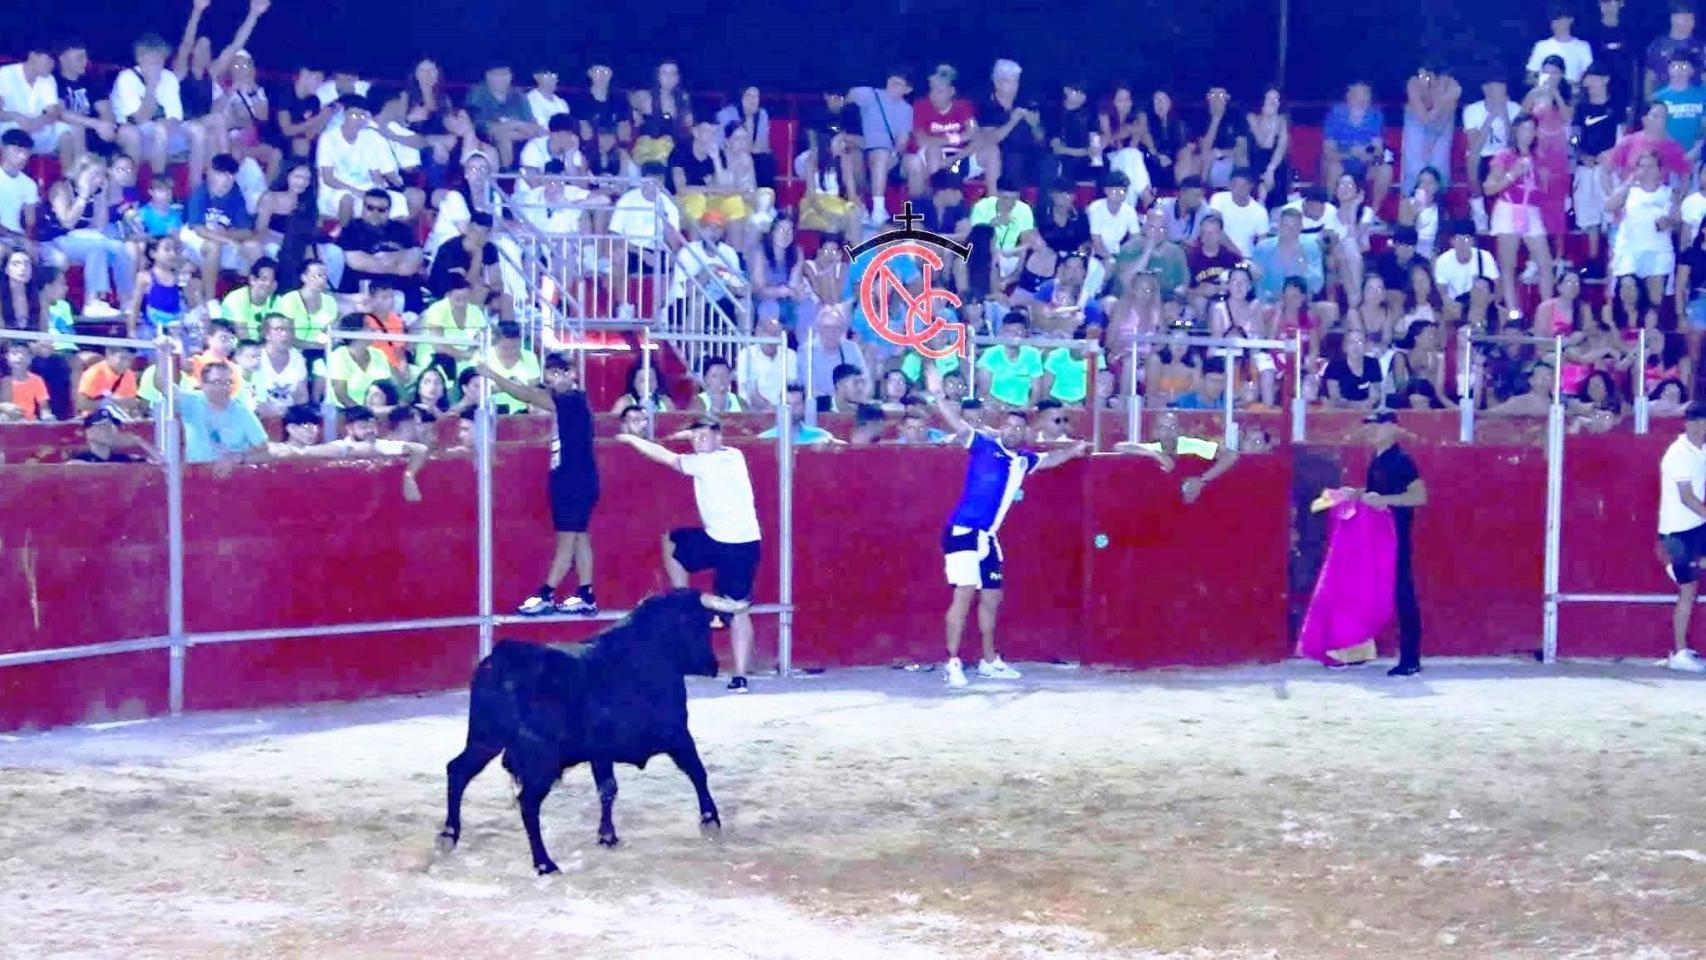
x=574 y=483
x=1395 y=484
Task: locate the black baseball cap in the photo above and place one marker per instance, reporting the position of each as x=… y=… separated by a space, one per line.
x=1381 y=416
x=706 y=422
x=102 y=415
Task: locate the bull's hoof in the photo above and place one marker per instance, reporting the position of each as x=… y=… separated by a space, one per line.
x=545 y=868
x=608 y=840
x=446 y=842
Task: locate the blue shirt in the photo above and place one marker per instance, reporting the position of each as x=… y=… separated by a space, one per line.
x=229 y=212
x=993 y=477
x=803 y=433
x=210 y=434
x=1194 y=401
x=1686 y=109
x=1340 y=130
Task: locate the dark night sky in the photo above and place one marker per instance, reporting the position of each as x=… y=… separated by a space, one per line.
x=1184 y=45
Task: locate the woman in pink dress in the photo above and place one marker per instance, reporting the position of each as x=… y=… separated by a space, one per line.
x=1549 y=104
x=1514 y=182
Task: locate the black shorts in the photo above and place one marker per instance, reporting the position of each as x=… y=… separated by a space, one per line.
x=736 y=564
x=571 y=504
x=1483 y=169
x=1685 y=549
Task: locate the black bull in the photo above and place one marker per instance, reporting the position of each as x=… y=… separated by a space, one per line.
x=618 y=699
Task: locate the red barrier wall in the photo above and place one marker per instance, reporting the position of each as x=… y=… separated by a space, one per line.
x=82 y=560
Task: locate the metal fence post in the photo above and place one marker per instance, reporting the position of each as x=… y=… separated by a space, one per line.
x=785 y=525
x=1299 y=406
x=485 y=440
x=1554 y=528
x=1643 y=416
x=172 y=452
x=1466 y=392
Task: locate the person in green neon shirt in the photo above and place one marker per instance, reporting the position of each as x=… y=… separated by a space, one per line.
x=1169 y=445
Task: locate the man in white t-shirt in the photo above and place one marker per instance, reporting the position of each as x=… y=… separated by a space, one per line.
x=29 y=100
x=1112 y=220
x=1487 y=126
x=1456 y=269
x=1574 y=51
x=542 y=100
x=1243 y=216
x=1682 y=527
x=728 y=541
x=145 y=102
x=763 y=370
x=562 y=143
x=19 y=195
x=354 y=158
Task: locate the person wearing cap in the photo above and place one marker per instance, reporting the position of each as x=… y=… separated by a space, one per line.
x=1682 y=528
x=353 y=158
x=727 y=541
x=1395 y=484
x=1679 y=43
x=996 y=468
x=942 y=126
x=573 y=483
x=1598 y=117
x=1575 y=52
x=102 y=440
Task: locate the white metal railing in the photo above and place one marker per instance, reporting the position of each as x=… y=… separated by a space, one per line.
x=178 y=640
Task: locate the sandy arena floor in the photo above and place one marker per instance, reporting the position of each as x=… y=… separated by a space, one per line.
x=1488 y=810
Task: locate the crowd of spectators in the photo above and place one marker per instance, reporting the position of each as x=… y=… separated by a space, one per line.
x=252 y=230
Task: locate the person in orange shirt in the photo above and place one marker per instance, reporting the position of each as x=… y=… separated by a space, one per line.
x=221 y=348
x=380 y=305
x=110 y=380
x=22 y=394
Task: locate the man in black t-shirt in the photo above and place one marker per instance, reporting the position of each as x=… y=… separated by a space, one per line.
x=1010 y=135
x=1600 y=118
x=102 y=438
x=1395 y=484
x=573 y=483
x=1069 y=131
x=456 y=258
x=91 y=127
x=375 y=245
x=599 y=106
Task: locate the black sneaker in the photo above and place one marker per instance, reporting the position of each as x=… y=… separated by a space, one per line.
x=1404 y=670
x=738 y=685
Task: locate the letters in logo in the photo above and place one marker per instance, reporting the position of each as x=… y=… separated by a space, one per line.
x=880 y=288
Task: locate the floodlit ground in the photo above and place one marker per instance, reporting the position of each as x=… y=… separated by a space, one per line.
x=1486 y=810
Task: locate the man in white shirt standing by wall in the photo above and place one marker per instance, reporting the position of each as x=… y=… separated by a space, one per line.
x=29 y=100
x=728 y=541
x=147 y=105
x=1682 y=527
x=1574 y=51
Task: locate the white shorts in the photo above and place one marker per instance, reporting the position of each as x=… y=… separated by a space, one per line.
x=971 y=558
x=1510 y=219
x=330 y=199
x=230 y=255
x=1587 y=195
x=1650 y=262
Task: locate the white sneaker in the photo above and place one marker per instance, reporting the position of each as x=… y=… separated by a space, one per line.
x=1686 y=661
x=996 y=669
x=955 y=673
x=99 y=310
x=1531 y=273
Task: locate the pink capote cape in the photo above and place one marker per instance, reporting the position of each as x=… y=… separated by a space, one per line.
x=1353 y=599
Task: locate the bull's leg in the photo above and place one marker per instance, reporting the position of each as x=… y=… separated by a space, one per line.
x=604 y=774
x=687 y=758
x=532 y=795
x=461 y=770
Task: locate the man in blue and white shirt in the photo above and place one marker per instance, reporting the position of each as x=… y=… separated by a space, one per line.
x=971 y=554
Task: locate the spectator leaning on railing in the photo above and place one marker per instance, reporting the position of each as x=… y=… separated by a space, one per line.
x=217 y=429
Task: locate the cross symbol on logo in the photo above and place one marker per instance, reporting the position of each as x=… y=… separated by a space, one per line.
x=907 y=218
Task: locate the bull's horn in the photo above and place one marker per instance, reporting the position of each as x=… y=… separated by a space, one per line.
x=724 y=604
